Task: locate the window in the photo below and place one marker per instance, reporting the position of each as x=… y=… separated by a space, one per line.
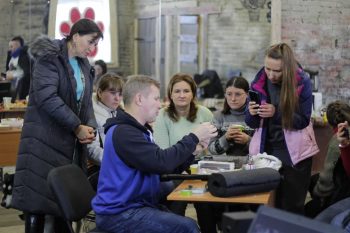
x=64 y=13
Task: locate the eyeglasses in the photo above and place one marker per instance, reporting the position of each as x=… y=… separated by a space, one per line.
x=236 y=95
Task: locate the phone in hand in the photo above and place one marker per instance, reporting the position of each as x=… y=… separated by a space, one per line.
x=346 y=133
x=254 y=96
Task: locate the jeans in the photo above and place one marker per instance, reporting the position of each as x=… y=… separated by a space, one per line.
x=166 y=187
x=328 y=214
x=145 y=219
x=338 y=220
x=177 y=207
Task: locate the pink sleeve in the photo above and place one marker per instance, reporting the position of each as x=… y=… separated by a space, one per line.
x=345 y=156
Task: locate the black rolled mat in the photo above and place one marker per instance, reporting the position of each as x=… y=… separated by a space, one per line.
x=228 y=184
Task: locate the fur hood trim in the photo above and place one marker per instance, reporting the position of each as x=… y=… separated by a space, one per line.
x=44 y=47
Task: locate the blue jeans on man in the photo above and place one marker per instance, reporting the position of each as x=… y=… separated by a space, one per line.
x=145 y=219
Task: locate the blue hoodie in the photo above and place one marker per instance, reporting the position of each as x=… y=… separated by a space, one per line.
x=132 y=163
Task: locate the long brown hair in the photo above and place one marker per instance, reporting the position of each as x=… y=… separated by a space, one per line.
x=237 y=82
x=289 y=96
x=338 y=112
x=171 y=109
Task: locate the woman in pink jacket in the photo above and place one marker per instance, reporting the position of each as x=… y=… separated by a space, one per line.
x=282 y=123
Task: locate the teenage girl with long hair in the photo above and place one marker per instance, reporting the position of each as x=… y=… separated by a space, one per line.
x=282 y=123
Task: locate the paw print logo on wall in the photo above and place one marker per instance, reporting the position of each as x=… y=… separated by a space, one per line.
x=74 y=17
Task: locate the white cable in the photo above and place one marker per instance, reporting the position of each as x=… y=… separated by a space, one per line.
x=267 y=161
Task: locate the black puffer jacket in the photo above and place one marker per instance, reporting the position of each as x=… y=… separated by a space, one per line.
x=48 y=139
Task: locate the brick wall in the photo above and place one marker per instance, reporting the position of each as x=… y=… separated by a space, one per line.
x=126 y=37
x=319 y=32
x=21 y=23
x=24 y=23
x=234 y=42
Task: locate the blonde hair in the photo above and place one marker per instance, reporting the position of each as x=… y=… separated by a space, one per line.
x=110 y=82
x=289 y=96
x=138 y=84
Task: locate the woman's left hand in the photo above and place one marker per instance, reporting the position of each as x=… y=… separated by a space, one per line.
x=266 y=110
x=241 y=138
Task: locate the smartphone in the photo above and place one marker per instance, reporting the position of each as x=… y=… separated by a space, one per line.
x=254 y=96
x=346 y=133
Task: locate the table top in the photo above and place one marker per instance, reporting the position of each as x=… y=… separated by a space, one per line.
x=13 y=110
x=260 y=198
x=11 y=131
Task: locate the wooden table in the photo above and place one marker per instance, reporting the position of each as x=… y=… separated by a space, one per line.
x=260 y=198
x=9 y=142
x=12 y=113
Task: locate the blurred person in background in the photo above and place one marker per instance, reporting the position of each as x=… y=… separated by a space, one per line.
x=18 y=68
x=100 y=70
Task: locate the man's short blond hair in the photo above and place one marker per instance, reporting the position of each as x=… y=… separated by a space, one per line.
x=137 y=84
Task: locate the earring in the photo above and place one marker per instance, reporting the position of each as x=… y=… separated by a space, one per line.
x=74 y=45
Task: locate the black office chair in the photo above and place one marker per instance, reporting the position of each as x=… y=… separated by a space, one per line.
x=5 y=88
x=73 y=193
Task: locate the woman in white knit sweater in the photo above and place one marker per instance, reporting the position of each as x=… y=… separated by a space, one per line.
x=105 y=103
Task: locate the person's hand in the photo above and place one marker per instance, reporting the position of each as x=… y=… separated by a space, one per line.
x=85 y=134
x=266 y=110
x=241 y=138
x=205 y=131
x=231 y=132
x=9 y=77
x=340 y=135
x=251 y=107
x=201 y=146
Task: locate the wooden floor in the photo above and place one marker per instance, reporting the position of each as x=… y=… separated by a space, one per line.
x=9 y=217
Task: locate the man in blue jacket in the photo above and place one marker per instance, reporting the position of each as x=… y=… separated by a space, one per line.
x=128 y=187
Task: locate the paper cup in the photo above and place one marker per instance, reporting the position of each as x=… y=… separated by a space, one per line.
x=193 y=168
x=240 y=127
x=7 y=101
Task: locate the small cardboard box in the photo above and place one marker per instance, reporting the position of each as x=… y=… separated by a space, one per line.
x=214 y=165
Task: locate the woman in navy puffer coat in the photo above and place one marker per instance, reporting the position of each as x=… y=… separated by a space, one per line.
x=59 y=120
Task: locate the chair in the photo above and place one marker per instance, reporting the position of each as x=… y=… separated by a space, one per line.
x=5 y=88
x=73 y=193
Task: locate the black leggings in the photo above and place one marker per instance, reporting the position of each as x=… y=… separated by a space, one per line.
x=293 y=187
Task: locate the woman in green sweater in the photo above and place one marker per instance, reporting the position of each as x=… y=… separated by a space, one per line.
x=182 y=114
x=178 y=119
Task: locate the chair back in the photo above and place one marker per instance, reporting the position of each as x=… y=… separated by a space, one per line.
x=5 y=88
x=72 y=191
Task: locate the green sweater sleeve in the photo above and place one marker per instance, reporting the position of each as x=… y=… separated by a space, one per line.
x=161 y=131
x=325 y=184
x=208 y=115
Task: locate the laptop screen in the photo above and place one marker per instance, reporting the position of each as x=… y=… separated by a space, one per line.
x=270 y=220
